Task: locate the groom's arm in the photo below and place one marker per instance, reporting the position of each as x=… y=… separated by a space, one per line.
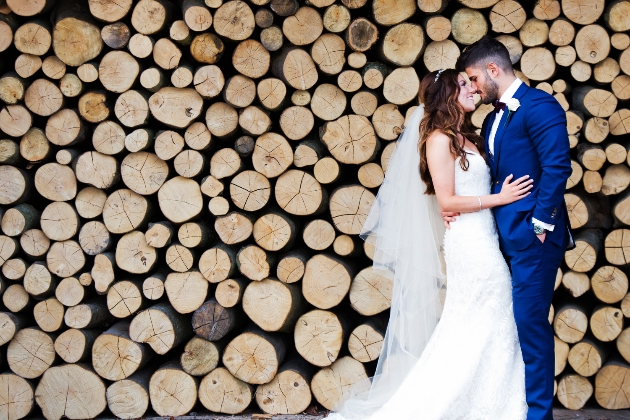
x=547 y=127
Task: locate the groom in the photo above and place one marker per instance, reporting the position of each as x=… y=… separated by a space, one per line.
x=526 y=134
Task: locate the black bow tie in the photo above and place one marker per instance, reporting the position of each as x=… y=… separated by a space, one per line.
x=498 y=106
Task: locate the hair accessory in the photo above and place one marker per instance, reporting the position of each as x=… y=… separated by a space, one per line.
x=437 y=76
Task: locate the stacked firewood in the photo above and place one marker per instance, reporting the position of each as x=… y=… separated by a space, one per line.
x=182 y=184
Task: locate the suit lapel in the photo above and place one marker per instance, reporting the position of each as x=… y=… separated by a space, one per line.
x=504 y=123
x=485 y=132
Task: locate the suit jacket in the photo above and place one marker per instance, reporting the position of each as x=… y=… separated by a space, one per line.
x=533 y=140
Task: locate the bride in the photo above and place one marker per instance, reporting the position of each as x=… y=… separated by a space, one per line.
x=469 y=364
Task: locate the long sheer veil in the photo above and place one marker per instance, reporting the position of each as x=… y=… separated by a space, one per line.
x=405 y=227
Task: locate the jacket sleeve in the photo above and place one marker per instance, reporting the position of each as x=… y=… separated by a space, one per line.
x=546 y=124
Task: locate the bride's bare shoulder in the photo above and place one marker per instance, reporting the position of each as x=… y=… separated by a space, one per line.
x=438 y=139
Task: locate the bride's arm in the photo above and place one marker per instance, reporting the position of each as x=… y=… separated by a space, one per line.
x=442 y=168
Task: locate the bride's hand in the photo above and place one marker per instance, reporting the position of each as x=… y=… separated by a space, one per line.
x=514 y=191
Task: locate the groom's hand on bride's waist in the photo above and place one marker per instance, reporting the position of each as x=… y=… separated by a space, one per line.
x=449 y=216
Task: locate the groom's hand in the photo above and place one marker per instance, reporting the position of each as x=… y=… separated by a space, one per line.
x=449 y=216
x=542 y=237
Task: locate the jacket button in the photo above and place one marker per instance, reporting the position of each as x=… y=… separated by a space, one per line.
x=497 y=183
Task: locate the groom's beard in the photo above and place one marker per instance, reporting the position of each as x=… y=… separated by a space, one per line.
x=490 y=90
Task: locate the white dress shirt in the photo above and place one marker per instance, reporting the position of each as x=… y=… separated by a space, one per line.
x=507 y=95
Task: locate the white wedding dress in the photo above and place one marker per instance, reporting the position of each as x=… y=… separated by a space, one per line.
x=472 y=367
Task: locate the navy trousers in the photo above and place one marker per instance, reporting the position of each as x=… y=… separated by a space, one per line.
x=534 y=271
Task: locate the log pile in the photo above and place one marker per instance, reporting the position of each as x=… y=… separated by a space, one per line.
x=182 y=184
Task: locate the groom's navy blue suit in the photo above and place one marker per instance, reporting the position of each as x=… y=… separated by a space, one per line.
x=533 y=141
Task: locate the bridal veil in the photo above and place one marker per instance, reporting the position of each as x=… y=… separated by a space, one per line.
x=405 y=227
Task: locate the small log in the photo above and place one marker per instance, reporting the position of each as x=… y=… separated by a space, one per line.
x=118 y=71
x=186 y=291
x=573 y=391
x=134 y=255
x=336 y=18
x=326 y=281
x=110 y=10
x=60 y=222
x=125 y=211
x=38 y=281
x=19 y=219
x=190 y=163
x=56 y=182
x=327 y=170
x=180 y=199
x=610 y=284
x=109 y=138
x=10 y=324
x=587 y=357
x=274 y=231
x=218 y=263
x=234 y=20
x=254 y=121
x=27 y=65
x=197 y=136
x=319 y=336
x=161 y=327
x=88 y=315
x=588 y=245
x=196 y=15
x=576 y=283
x=350 y=80
x=371 y=292
x=144 y=173
x=350 y=139
x=33 y=38
x=13 y=269
x=68 y=383
x=623 y=342
x=596 y=130
x=506 y=17
x=272 y=155
x=15 y=120
x=304 y=27
x=151 y=16
x=273 y=305
x=88 y=72
x=366 y=340
x=43 y=98
x=18 y=394
x=308 y=153
x=229 y=292
x=361 y=34
x=221 y=392
x=70 y=292
x=328 y=53
x=254 y=356
x=318 y=234
x=291 y=266
x=348 y=207
x=129 y=398
x=222 y=120
x=213 y=322
x=284 y=7
x=49 y=314
x=570 y=323
x=168 y=144
x=616 y=179
x=141 y=46
x=296 y=68
x=617 y=247
x=272 y=92
x=132 y=109
x=152 y=79
x=251 y=190
x=606 y=323
x=332 y=385
x=124 y=298
x=538 y=63
x=94 y=107
x=94 y=238
x=254 y=262
x=103 y=272
x=289 y=391
x=200 y=356
x=468 y=26
x=16 y=299
x=534 y=32
x=75 y=345
x=610 y=383
x=588 y=210
x=99 y=170
x=594 y=102
x=240 y=91
x=76 y=40
x=30 y=353
x=397 y=46
x=115 y=356
x=153 y=287
x=176 y=107
x=234 y=227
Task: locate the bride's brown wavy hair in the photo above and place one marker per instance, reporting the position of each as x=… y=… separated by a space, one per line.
x=444 y=113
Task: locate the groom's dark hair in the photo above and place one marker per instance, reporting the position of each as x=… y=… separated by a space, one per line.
x=486 y=50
